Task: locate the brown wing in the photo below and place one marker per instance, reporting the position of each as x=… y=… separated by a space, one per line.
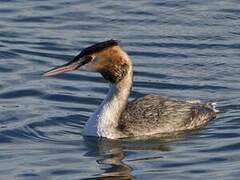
x=153 y=114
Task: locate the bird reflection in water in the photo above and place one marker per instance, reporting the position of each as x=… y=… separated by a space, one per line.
x=112 y=154
x=109 y=152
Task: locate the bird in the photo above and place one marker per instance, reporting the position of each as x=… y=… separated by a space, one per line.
x=116 y=117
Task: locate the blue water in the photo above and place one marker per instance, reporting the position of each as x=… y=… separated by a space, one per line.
x=185 y=49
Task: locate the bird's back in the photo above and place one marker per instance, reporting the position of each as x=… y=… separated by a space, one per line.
x=153 y=114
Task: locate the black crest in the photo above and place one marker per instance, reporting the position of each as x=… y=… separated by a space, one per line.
x=98 y=47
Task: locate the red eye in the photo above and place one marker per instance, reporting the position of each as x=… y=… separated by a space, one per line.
x=88 y=59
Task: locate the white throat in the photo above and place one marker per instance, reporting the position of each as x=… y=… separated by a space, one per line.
x=104 y=121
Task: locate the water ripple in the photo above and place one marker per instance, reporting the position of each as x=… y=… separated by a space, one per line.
x=179 y=48
x=20 y=94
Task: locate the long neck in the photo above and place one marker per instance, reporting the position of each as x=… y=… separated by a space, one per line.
x=105 y=119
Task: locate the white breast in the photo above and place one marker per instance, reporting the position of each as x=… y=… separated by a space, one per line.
x=104 y=121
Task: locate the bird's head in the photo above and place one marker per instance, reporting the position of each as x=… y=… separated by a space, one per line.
x=106 y=57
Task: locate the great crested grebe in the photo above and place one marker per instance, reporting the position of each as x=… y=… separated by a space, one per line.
x=116 y=117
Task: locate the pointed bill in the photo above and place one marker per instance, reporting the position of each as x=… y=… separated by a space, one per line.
x=71 y=66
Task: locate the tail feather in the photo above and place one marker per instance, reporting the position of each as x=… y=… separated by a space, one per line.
x=213 y=107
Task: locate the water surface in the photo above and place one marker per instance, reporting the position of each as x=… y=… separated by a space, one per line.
x=185 y=49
